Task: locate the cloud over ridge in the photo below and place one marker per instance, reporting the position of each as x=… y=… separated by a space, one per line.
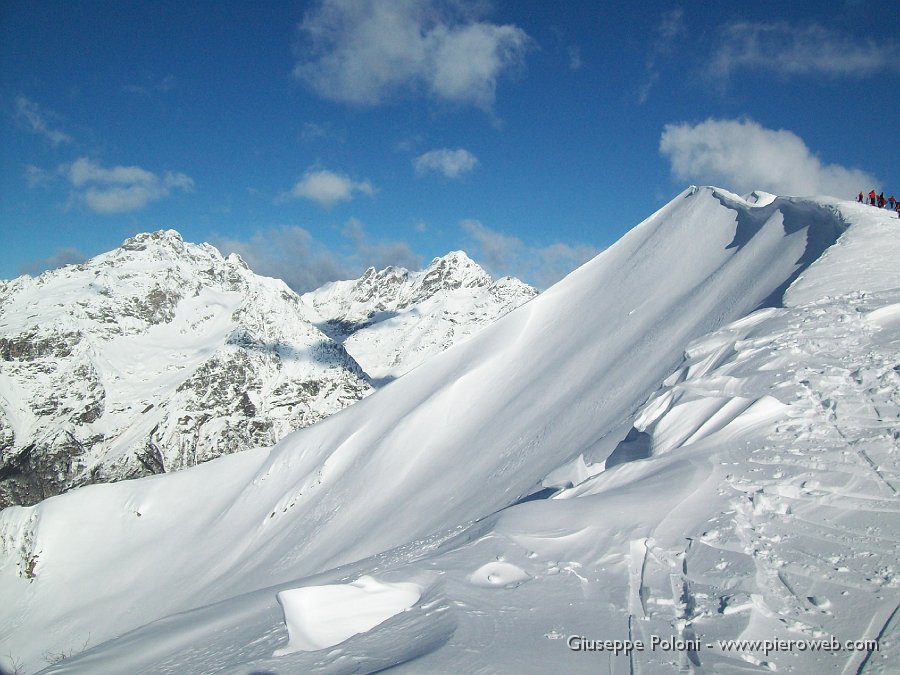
x=293 y=254
x=743 y=156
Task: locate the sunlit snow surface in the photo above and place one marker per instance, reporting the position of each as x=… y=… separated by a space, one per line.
x=323 y=616
x=755 y=496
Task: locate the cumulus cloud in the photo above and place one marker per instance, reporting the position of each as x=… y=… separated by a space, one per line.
x=363 y=51
x=743 y=156
x=35 y=119
x=63 y=256
x=451 y=163
x=541 y=266
x=790 y=49
x=327 y=188
x=121 y=188
x=292 y=254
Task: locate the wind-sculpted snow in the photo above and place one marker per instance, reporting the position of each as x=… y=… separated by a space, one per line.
x=762 y=502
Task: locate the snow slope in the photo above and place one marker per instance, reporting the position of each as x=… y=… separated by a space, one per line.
x=749 y=492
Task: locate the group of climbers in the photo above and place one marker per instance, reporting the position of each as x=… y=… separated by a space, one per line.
x=880 y=201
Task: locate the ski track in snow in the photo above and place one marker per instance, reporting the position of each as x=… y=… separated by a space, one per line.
x=763 y=507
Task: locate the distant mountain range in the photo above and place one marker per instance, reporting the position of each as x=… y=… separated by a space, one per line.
x=163 y=354
x=393 y=320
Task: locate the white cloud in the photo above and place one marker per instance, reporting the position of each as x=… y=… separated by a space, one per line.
x=451 y=163
x=327 y=188
x=34 y=118
x=790 y=49
x=542 y=266
x=293 y=255
x=121 y=188
x=362 y=51
x=84 y=170
x=743 y=156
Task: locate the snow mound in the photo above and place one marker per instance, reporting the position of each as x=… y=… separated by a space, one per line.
x=886 y=317
x=318 y=617
x=499 y=573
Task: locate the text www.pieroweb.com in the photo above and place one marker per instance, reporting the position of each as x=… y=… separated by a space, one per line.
x=768 y=646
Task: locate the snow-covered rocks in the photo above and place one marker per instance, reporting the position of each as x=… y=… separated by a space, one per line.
x=393 y=320
x=153 y=357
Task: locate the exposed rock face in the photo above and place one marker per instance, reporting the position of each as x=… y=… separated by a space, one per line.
x=154 y=357
x=393 y=320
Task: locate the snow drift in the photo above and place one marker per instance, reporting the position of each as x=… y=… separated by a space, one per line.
x=394 y=484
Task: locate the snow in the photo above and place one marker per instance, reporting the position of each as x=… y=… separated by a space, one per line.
x=498 y=573
x=746 y=383
x=140 y=348
x=323 y=616
x=398 y=319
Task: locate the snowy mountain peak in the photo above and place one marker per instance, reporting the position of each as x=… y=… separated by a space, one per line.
x=152 y=357
x=142 y=240
x=455 y=270
x=394 y=288
x=393 y=319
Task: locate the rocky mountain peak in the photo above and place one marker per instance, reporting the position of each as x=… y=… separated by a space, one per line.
x=141 y=241
x=155 y=356
x=454 y=270
x=393 y=319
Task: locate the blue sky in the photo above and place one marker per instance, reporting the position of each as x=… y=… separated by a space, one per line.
x=318 y=138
